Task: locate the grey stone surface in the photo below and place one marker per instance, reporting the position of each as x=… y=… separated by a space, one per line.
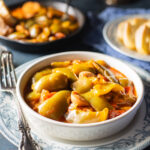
x=5 y=144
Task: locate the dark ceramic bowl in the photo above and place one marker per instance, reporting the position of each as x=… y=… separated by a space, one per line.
x=34 y=47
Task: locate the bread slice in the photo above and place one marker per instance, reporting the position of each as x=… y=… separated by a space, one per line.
x=142 y=39
x=126 y=31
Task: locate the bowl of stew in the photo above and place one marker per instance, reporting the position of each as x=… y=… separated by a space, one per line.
x=79 y=96
x=39 y=24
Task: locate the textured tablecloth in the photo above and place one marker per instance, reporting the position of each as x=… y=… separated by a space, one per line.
x=93 y=34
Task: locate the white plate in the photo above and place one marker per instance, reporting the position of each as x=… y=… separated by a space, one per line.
x=136 y=136
x=109 y=34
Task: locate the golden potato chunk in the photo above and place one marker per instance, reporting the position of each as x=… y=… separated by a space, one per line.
x=56 y=106
x=53 y=82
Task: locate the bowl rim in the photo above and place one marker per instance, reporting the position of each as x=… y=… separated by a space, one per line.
x=48 y=42
x=58 y=123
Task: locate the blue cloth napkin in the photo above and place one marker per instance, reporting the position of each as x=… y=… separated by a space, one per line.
x=93 y=35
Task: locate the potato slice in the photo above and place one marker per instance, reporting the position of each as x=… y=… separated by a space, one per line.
x=30 y=9
x=77 y=68
x=4 y=28
x=56 y=106
x=82 y=85
x=80 y=116
x=40 y=74
x=126 y=31
x=33 y=96
x=53 y=82
x=120 y=30
x=105 y=88
x=97 y=102
x=67 y=72
x=6 y=15
x=128 y=36
x=78 y=100
x=142 y=39
x=60 y=64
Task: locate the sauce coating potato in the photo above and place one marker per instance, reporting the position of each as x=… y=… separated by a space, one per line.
x=56 y=106
x=80 y=92
x=53 y=82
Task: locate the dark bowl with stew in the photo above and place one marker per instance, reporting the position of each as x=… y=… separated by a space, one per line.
x=48 y=45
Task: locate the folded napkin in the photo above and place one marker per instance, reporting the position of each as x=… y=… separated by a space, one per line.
x=93 y=34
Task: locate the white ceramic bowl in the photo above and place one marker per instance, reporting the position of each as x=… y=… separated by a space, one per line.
x=47 y=128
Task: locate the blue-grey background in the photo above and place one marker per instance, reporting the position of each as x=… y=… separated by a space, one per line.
x=96 y=6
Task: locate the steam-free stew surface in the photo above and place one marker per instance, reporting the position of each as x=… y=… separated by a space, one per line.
x=80 y=92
